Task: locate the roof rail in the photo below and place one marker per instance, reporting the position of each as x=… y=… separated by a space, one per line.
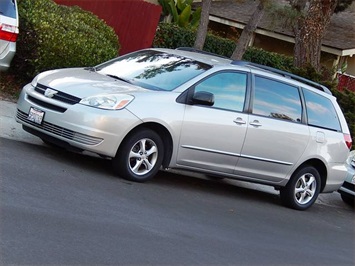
x=284 y=74
x=191 y=49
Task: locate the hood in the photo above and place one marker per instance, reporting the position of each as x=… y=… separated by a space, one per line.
x=82 y=83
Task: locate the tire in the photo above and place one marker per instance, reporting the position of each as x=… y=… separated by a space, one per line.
x=140 y=156
x=348 y=200
x=302 y=189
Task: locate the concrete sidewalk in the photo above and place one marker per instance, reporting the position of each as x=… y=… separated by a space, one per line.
x=10 y=129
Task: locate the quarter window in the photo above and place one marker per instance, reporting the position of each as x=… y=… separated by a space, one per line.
x=320 y=111
x=228 y=88
x=277 y=100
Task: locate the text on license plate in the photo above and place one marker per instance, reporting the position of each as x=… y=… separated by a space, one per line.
x=35 y=115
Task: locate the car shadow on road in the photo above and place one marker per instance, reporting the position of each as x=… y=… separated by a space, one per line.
x=101 y=168
x=176 y=179
x=217 y=186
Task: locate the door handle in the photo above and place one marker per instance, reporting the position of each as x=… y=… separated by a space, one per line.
x=239 y=121
x=255 y=123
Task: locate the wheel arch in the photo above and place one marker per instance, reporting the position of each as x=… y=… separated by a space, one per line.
x=163 y=132
x=321 y=168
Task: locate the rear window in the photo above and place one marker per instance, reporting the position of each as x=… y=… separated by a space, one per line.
x=8 y=8
x=320 y=111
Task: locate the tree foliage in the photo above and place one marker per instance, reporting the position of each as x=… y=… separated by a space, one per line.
x=180 y=12
x=309 y=20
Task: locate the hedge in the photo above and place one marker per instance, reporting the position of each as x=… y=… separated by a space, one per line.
x=55 y=36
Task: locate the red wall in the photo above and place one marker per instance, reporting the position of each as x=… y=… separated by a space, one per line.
x=134 y=21
x=346 y=81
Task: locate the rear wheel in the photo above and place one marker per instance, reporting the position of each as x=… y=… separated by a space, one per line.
x=140 y=156
x=302 y=190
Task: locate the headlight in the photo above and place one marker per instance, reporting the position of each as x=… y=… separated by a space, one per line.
x=108 y=101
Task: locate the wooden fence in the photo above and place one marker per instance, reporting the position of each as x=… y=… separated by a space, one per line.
x=346 y=81
x=134 y=21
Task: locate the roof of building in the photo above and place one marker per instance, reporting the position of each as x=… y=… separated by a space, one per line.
x=340 y=34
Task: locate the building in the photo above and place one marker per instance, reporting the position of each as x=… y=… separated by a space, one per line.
x=228 y=18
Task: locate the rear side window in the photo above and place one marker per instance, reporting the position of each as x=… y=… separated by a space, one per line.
x=8 y=8
x=320 y=111
x=277 y=100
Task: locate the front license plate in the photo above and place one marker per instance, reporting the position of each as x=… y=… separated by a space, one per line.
x=35 y=115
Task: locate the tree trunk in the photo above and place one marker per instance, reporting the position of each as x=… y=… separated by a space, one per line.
x=203 y=25
x=309 y=32
x=245 y=37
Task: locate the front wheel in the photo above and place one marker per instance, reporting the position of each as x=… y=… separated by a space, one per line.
x=139 y=156
x=302 y=189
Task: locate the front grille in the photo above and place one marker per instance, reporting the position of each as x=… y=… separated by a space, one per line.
x=59 y=96
x=60 y=131
x=47 y=105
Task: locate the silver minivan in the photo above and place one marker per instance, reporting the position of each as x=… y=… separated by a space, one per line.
x=189 y=110
x=9 y=29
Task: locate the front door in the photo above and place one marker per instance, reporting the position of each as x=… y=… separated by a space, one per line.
x=212 y=136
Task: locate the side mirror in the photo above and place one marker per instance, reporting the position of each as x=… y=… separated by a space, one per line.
x=203 y=98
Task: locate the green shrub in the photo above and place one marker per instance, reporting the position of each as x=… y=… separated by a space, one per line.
x=263 y=57
x=346 y=100
x=172 y=36
x=169 y=35
x=54 y=36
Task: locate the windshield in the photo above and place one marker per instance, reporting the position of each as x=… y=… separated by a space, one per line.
x=153 y=69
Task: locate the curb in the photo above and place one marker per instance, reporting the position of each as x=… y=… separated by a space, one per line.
x=9 y=128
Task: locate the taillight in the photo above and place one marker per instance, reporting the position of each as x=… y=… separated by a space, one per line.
x=348 y=140
x=8 y=32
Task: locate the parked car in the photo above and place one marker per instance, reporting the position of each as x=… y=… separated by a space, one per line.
x=192 y=110
x=9 y=29
x=347 y=190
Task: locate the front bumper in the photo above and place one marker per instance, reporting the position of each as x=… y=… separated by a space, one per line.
x=348 y=187
x=83 y=127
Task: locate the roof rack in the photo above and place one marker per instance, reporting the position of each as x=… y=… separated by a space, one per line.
x=284 y=74
x=191 y=49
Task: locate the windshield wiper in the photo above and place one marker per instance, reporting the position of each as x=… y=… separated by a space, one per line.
x=119 y=78
x=93 y=69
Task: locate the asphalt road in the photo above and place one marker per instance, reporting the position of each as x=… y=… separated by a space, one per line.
x=61 y=208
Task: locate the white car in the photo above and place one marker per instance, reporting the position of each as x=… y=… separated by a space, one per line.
x=347 y=190
x=190 y=110
x=9 y=29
